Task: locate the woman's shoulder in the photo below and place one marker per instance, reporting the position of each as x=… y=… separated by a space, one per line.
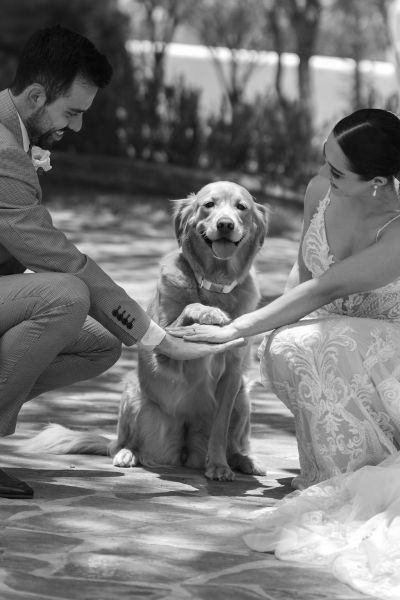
x=316 y=190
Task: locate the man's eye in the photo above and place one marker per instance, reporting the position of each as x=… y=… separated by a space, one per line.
x=335 y=175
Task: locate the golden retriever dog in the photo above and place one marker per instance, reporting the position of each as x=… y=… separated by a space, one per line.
x=194 y=413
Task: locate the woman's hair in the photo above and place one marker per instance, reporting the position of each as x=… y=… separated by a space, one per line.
x=370 y=140
x=54 y=57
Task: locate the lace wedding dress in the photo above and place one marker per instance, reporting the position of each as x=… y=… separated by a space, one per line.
x=350 y=523
x=338 y=371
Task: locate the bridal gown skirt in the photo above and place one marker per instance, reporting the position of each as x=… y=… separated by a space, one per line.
x=340 y=377
x=350 y=523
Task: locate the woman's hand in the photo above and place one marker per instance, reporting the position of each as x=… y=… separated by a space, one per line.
x=180 y=349
x=213 y=334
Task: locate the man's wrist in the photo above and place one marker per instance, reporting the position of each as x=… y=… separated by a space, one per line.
x=153 y=336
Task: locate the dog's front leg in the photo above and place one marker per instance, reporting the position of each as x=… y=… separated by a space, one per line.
x=228 y=387
x=203 y=314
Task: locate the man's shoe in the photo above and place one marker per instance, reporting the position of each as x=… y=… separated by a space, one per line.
x=11 y=487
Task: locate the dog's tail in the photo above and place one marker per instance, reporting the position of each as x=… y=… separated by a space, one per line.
x=56 y=439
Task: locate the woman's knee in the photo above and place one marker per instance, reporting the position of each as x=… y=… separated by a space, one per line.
x=302 y=337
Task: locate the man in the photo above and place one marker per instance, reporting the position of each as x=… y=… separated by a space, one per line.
x=65 y=321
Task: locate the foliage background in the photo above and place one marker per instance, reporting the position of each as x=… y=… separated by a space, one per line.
x=141 y=120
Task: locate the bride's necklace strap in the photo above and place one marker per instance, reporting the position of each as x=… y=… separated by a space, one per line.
x=385 y=225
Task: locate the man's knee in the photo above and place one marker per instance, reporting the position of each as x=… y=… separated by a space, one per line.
x=114 y=351
x=110 y=352
x=65 y=289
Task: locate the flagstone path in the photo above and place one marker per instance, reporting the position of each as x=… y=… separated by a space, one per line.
x=95 y=532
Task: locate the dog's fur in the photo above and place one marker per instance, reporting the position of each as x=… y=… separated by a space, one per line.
x=197 y=412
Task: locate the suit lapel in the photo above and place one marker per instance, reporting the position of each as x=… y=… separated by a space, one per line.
x=9 y=116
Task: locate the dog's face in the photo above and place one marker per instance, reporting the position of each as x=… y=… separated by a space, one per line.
x=221 y=221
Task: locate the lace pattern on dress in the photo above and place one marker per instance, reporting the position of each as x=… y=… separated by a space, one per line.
x=380 y=303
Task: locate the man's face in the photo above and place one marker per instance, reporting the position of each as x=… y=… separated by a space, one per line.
x=47 y=124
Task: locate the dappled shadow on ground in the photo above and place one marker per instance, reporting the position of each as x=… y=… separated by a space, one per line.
x=96 y=531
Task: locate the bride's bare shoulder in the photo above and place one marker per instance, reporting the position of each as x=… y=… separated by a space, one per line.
x=315 y=192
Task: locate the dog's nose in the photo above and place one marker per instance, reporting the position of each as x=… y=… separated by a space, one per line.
x=225 y=225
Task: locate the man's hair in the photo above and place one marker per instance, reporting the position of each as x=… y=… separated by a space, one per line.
x=54 y=57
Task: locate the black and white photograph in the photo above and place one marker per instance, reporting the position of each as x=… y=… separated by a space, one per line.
x=200 y=299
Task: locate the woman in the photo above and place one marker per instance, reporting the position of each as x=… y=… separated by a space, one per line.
x=334 y=357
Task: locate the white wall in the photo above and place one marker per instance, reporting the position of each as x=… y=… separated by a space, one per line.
x=332 y=77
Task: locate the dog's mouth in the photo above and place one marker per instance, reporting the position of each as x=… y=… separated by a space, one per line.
x=222 y=248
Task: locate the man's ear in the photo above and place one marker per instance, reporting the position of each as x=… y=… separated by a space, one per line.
x=35 y=96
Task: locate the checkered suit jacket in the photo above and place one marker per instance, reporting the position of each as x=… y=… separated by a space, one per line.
x=29 y=240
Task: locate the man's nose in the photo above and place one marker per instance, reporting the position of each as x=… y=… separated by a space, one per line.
x=225 y=225
x=75 y=123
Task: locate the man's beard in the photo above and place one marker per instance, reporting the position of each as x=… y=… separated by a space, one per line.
x=38 y=133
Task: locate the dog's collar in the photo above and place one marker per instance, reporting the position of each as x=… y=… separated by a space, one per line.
x=215 y=287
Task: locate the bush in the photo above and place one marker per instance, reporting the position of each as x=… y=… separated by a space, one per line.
x=281 y=150
x=228 y=138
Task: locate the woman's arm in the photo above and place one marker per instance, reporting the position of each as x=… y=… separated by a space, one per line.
x=376 y=266
x=316 y=190
x=298 y=274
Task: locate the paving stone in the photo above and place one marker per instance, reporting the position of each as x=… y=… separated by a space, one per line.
x=205 y=592
x=23 y=562
x=76 y=589
x=37 y=543
x=96 y=532
x=7 y=511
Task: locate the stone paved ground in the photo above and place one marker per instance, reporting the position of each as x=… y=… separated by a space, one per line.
x=95 y=532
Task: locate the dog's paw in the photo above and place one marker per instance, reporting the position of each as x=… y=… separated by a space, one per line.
x=247 y=464
x=204 y=315
x=124 y=458
x=219 y=472
x=213 y=316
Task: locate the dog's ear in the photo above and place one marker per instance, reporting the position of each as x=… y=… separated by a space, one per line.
x=261 y=213
x=183 y=208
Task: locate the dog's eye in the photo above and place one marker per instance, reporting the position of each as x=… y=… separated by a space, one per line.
x=241 y=206
x=209 y=204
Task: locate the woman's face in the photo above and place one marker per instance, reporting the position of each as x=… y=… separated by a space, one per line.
x=343 y=181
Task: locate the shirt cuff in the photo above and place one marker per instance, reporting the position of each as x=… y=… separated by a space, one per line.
x=153 y=336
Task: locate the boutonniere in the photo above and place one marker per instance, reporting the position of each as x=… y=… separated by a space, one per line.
x=40 y=159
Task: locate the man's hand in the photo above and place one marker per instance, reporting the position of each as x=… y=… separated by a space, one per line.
x=180 y=349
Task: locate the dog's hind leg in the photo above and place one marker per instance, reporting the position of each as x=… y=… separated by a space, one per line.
x=146 y=435
x=123 y=449
x=196 y=444
x=161 y=439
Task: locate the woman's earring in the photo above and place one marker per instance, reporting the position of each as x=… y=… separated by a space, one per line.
x=375 y=190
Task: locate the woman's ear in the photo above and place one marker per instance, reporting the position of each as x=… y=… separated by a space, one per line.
x=379 y=181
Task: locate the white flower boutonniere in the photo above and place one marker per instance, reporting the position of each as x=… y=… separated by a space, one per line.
x=40 y=158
